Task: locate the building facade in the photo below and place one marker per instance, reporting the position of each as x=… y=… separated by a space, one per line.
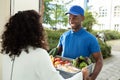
x=107 y=14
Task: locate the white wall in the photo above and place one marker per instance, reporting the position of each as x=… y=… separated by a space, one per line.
x=20 y=5
x=4 y=15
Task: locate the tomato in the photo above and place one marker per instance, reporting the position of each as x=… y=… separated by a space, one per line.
x=61 y=62
x=56 y=63
x=57 y=59
x=66 y=61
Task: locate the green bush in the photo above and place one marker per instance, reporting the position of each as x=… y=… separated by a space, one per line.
x=105 y=49
x=110 y=35
x=53 y=37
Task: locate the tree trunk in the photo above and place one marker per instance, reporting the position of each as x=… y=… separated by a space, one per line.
x=41 y=8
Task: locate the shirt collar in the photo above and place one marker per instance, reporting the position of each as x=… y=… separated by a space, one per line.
x=78 y=32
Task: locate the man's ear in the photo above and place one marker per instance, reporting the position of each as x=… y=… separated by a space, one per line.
x=83 y=18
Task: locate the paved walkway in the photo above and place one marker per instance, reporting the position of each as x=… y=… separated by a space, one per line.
x=111 y=67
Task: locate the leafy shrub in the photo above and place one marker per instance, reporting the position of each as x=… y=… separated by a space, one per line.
x=53 y=37
x=105 y=49
x=110 y=35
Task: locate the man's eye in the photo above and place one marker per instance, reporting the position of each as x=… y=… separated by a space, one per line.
x=75 y=16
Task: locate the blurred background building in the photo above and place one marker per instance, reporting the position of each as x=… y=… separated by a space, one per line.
x=107 y=14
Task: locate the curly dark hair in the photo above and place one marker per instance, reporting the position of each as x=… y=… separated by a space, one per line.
x=22 y=30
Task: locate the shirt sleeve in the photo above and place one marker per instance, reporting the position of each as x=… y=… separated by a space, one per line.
x=48 y=72
x=94 y=45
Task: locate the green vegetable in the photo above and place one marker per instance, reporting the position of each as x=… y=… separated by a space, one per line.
x=53 y=52
x=76 y=62
x=89 y=61
x=82 y=65
x=82 y=58
x=81 y=62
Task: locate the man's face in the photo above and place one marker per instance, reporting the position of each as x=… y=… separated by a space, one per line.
x=75 y=21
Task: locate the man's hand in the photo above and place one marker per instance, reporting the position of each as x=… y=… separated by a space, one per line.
x=98 y=65
x=88 y=78
x=85 y=72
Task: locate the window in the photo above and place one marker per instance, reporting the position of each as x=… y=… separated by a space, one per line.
x=101 y=26
x=102 y=12
x=116 y=27
x=117 y=11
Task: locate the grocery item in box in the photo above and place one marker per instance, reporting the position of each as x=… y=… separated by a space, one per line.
x=66 y=69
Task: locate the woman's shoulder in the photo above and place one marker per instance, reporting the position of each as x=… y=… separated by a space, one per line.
x=37 y=53
x=37 y=50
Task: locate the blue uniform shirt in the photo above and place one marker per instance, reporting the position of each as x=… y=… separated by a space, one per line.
x=80 y=43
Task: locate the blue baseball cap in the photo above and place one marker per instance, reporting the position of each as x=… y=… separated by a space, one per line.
x=76 y=10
